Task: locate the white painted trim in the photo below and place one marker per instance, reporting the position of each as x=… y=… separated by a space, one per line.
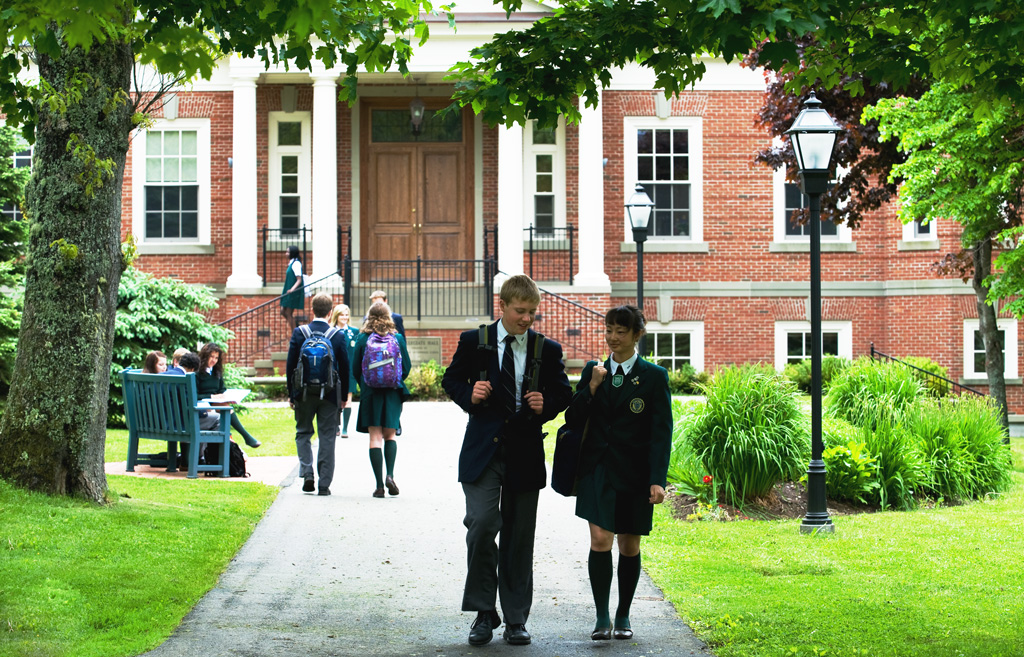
x=305 y=155
x=783 y=329
x=696 y=331
x=695 y=126
x=1010 y=350
x=203 y=155
x=530 y=153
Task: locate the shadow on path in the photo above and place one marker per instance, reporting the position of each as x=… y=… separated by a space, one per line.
x=353 y=575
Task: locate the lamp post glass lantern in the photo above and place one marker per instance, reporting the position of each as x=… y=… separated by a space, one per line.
x=813 y=135
x=639 y=208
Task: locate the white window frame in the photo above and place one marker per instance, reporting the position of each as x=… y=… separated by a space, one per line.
x=911 y=232
x=202 y=129
x=843 y=234
x=1010 y=355
x=844 y=329
x=530 y=153
x=14 y=211
x=696 y=331
x=695 y=126
x=305 y=155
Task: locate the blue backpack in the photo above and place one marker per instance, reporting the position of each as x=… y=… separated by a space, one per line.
x=317 y=368
x=382 y=362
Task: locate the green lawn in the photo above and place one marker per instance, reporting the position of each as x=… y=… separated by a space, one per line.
x=931 y=583
x=85 y=581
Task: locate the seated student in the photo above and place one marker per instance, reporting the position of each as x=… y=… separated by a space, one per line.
x=156 y=363
x=210 y=381
x=175 y=367
x=187 y=361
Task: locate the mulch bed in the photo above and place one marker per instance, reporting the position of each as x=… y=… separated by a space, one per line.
x=786 y=501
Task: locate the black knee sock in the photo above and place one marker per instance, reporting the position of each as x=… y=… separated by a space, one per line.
x=600 y=566
x=390 y=451
x=345 y=415
x=629 y=575
x=376 y=461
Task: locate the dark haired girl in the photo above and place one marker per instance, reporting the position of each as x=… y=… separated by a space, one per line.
x=292 y=298
x=210 y=381
x=624 y=461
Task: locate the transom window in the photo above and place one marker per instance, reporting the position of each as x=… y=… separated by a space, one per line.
x=394 y=125
x=172 y=185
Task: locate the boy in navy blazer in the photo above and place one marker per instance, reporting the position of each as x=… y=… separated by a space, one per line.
x=501 y=465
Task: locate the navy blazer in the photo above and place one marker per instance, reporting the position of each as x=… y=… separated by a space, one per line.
x=489 y=423
x=338 y=342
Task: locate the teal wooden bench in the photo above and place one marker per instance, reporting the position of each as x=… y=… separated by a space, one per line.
x=165 y=407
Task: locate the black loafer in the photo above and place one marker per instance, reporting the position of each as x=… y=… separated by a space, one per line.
x=601 y=634
x=517 y=635
x=482 y=630
x=622 y=633
x=308 y=486
x=392 y=486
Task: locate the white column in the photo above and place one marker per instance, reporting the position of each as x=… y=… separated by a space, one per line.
x=244 y=274
x=590 y=195
x=325 y=175
x=510 y=202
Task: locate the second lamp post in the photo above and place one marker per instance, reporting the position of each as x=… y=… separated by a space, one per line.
x=639 y=208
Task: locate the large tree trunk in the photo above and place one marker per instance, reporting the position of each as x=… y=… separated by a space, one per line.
x=53 y=430
x=994 y=365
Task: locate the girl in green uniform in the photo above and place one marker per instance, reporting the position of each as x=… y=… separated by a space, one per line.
x=292 y=298
x=340 y=317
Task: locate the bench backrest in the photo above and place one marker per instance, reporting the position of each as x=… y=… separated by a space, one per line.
x=160 y=405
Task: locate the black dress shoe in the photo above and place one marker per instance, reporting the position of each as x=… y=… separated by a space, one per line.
x=308 y=486
x=601 y=634
x=324 y=491
x=516 y=634
x=482 y=630
x=378 y=492
x=622 y=630
x=392 y=486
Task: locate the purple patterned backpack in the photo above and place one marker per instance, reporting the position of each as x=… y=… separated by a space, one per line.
x=382 y=362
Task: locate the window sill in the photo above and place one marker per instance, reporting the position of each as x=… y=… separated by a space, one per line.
x=983 y=381
x=175 y=249
x=805 y=247
x=657 y=246
x=917 y=245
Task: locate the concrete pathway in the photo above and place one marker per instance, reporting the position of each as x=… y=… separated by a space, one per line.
x=353 y=575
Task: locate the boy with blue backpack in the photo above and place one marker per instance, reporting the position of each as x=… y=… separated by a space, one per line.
x=317 y=375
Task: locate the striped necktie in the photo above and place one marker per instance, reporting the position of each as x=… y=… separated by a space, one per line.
x=508 y=375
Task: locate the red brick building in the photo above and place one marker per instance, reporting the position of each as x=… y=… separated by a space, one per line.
x=238 y=167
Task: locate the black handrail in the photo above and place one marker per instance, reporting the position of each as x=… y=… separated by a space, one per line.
x=953 y=384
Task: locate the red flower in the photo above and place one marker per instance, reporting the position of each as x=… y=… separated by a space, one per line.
x=707 y=479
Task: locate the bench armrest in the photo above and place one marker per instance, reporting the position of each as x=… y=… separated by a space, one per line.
x=223 y=410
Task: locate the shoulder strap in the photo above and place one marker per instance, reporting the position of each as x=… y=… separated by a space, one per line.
x=534 y=367
x=483 y=335
x=306 y=331
x=331 y=331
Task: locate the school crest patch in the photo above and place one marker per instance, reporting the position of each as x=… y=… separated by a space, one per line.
x=636 y=405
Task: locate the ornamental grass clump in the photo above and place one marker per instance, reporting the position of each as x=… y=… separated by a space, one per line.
x=866 y=387
x=962 y=442
x=750 y=433
x=902 y=470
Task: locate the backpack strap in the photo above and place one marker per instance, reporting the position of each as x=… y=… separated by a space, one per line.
x=306 y=332
x=534 y=366
x=484 y=350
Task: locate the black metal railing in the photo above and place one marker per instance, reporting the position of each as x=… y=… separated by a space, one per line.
x=423 y=288
x=344 y=245
x=931 y=380
x=550 y=253
x=577 y=328
x=275 y=243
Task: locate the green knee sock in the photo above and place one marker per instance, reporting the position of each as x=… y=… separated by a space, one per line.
x=345 y=415
x=390 y=450
x=629 y=576
x=376 y=461
x=599 y=564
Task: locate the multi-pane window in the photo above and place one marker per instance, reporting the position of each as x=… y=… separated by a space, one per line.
x=544 y=158
x=172 y=185
x=669 y=350
x=795 y=200
x=974 y=348
x=798 y=345
x=663 y=168
x=20 y=159
x=289 y=133
x=978 y=349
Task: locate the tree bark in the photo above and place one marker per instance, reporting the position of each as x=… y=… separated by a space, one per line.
x=53 y=431
x=994 y=365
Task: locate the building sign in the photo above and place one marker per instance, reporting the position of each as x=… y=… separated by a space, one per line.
x=423 y=349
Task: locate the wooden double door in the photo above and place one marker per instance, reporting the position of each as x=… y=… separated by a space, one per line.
x=417 y=191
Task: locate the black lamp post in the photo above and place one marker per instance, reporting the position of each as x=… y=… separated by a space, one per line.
x=639 y=208
x=813 y=135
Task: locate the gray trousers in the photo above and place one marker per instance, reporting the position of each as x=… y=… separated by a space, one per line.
x=325 y=411
x=504 y=569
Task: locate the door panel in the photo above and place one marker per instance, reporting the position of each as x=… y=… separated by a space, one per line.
x=416 y=201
